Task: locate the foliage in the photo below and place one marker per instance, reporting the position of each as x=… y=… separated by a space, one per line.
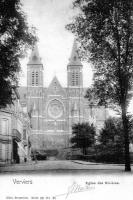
x=15 y=38
x=111 y=133
x=110 y=153
x=38 y=155
x=104 y=30
x=83 y=136
x=110 y=146
x=111 y=139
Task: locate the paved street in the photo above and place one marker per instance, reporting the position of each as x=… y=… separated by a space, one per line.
x=65 y=166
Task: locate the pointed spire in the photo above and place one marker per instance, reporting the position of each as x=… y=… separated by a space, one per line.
x=35 y=58
x=74 y=59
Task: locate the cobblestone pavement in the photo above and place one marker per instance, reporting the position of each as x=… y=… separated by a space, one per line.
x=64 y=166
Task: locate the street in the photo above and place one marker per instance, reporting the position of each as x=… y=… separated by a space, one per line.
x=62 y=166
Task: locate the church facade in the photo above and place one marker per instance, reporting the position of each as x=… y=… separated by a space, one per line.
x=55 y=109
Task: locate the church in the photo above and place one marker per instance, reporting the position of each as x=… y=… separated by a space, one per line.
x=54 y=109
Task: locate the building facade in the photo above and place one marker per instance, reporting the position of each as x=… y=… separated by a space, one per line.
x=55 y=109
x=14 y=133
x=5 y=136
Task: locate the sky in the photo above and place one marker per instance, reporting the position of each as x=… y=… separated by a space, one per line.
x=55 y=42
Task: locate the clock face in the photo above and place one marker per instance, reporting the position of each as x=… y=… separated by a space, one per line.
x=55 y=109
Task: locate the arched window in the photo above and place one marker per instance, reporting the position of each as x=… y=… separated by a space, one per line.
x=75 y=78
x=37 y=80
x=33 y=78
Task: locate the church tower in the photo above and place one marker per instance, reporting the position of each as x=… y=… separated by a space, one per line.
x=74 y=69
x=35 y=88
x=54 y=109
x=75 y=86
x=35 y=69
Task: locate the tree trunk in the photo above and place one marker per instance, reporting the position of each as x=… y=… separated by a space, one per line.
x=126 y=139
x=84 y=151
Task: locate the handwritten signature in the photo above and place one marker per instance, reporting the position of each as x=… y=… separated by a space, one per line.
x=76 y=188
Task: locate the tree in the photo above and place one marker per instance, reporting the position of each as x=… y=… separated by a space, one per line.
x=112 y=132
x=15 y=38
x=104 y=30
x=83 y=136
x=110 y=146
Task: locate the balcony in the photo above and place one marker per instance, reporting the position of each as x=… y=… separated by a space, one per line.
x=5 y=138
x=16 y=135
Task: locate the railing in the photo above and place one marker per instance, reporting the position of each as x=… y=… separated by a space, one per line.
x=5 y=138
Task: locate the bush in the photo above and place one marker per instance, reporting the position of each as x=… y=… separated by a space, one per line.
x=102 y=154
x=109 y=154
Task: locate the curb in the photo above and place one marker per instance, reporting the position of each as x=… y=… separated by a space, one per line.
x=83 y=163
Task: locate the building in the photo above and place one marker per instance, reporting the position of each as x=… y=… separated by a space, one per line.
x=54 y=109
x=5 y=136
x=14 y=133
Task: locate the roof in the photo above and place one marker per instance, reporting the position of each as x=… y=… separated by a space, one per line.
x=35 y=58
x=74 y=59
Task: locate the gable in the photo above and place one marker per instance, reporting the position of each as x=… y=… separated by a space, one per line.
x=55 y=88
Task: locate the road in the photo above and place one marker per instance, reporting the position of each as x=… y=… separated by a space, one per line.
x=62 y=166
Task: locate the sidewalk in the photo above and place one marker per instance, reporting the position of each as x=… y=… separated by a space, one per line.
x=62 y=166
x=16 y=164
x=94 y=163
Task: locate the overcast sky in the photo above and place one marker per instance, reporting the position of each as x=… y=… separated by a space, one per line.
x=55 y=42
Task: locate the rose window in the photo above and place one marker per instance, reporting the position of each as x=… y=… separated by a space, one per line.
x=55 y=109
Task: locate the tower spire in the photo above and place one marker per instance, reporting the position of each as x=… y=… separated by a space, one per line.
x=74 y=58
x=35 y=58
x=35 y=69
x=74 y=68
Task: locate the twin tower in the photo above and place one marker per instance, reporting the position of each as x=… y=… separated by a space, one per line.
x=55 y=109
x=74 y=70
